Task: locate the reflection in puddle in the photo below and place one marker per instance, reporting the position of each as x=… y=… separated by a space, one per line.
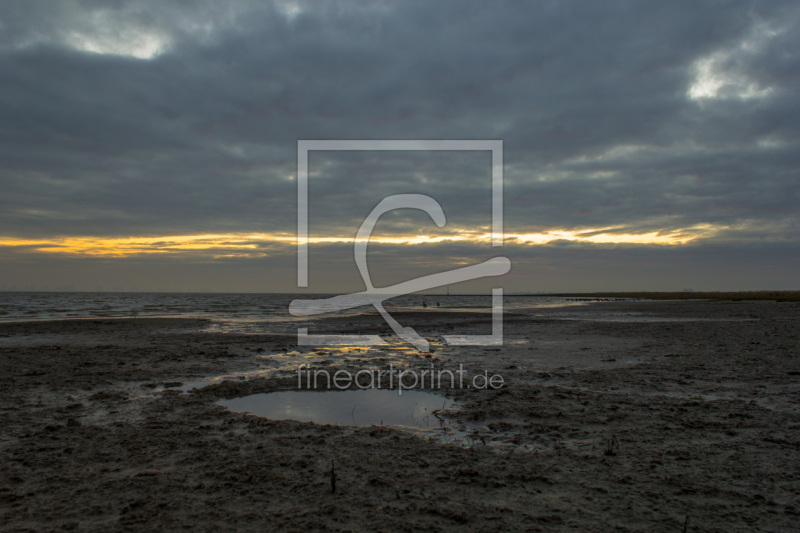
x=413 y=409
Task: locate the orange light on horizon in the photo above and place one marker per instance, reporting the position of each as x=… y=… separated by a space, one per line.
x=254 y=244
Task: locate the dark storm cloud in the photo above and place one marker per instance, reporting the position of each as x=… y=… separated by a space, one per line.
x=165 y=118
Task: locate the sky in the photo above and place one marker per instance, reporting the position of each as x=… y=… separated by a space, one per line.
x=152 y=145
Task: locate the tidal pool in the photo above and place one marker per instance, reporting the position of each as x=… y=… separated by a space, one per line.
x=367 y=407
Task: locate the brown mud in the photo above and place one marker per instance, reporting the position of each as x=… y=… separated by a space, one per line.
x=655 y=412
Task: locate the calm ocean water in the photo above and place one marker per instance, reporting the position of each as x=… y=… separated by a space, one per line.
x=228 y=312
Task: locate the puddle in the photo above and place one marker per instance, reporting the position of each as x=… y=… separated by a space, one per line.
x=421 y=413
x=413 y=409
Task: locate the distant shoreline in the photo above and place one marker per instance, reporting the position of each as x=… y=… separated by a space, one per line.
x=779 y=296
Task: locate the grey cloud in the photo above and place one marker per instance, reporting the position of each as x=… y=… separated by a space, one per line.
x=201 y=138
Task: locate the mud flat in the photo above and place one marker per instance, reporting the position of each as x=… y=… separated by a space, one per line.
x=621 y=416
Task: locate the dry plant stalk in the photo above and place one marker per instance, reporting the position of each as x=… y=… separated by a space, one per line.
x=613 y=446
x=333 y=477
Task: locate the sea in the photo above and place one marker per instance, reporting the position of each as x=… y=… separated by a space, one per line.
x=243 y=312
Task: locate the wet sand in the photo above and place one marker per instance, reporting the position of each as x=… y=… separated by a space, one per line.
x=630 y=416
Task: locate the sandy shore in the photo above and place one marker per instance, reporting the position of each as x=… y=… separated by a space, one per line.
x=657 y=412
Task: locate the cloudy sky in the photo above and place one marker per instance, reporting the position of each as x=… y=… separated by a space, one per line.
x=153 y=145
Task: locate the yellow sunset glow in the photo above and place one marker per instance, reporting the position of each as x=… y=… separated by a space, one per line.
x=122 y=246
x=253 y=244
